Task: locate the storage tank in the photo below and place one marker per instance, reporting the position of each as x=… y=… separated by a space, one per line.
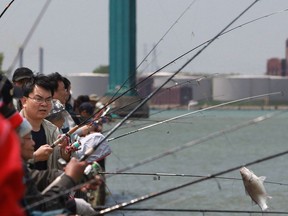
x=88 y=83
x=229 y=88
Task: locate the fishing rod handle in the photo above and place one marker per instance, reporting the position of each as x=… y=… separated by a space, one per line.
x=63 y=136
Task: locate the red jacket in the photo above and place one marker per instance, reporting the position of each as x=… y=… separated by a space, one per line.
x=11 y=172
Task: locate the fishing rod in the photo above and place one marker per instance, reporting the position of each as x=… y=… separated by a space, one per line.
x=181 y=56
x=197 y=210
x=6 y=8
x=161 y=92
x=29 y=35
x=158 y=175
x=201 y=140
x=161 y=39
x=189 y=51
x=94 y=148
x=194 y=112
x=90 y=151
x=155 y=194
x=207 y=41
x=164 y=90
x=171 y=151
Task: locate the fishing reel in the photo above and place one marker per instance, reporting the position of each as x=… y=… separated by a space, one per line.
x=92 y=169
x=75 y=146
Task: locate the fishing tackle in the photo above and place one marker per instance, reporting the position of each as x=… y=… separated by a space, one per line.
x=96 y=121
x=193 y=112
x=75 y=146
x=155 y=194
x=94 y=148
x=200 y=140
x=197 y=210
x=86 y=155
x=6 y=8
x=156 y=176
x=92 y=169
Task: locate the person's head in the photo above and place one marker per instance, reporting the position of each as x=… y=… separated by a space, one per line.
x=37 y=97
x=79 y=100
x=57 y=83
x=27 y=143
x=21 y=75
x=86 y=109
x=57 y=114
x=93 y=99
x=67 y=85
x=7 y=93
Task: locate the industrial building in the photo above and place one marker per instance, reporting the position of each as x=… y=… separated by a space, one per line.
x=184 y=88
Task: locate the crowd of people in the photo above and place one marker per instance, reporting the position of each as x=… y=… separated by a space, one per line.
x=36 y=118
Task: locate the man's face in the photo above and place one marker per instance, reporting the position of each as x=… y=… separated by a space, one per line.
x=38 y=104
x=61 y=93
x=27 y=147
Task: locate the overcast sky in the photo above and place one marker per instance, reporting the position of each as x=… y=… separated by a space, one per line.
x=74 y=34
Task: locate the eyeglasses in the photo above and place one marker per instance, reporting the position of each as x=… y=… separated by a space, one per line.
x=41 y=100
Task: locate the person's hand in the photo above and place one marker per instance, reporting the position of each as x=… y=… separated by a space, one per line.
x=83 y=207
x=42 y=153
x=93 y=185
x=64 y=142
x=75 y=169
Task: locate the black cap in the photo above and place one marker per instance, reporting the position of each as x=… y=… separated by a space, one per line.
x=22 y=73
x=8 y=91
x=88 y=107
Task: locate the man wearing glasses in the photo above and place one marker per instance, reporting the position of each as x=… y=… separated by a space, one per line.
x=37 y=104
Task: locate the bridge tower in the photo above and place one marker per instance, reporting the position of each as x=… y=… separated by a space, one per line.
x=122 y=54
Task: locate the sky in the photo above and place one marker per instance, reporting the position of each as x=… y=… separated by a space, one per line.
x=75 y=35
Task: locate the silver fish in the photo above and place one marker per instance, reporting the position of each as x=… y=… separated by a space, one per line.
x=254 y=187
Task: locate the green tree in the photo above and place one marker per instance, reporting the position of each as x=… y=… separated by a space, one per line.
x=102 y=69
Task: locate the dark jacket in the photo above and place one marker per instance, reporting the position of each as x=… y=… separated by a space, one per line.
x=34 y=196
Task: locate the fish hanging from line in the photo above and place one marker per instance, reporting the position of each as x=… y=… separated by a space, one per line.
x=255 y=188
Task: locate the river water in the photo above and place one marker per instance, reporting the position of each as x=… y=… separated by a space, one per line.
x=217 y=154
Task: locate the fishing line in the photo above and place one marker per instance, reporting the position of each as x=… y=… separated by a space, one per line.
x=194 y=112
x=29 y=35
x=90 y=151
x=200 y=140
x=155 y=194
x=159 y=94
x=110 y=193
x=6 y=8
x=198 y=210
x=94 y=148
x=159 y=41
x=158 y=176
x=202 y=44
x=179 y=57
x=169 y=29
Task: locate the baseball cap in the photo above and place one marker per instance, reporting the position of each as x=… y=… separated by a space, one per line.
x=22 y=73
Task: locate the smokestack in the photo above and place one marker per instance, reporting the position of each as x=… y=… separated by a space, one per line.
x=41 y=60
x=21 y=50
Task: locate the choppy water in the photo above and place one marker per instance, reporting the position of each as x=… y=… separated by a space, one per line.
x=218 y=154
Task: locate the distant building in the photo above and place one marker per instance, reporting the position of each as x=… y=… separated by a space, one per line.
x=179 y=91
x=88 y=83
x=228 y=88
x=277 y=66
